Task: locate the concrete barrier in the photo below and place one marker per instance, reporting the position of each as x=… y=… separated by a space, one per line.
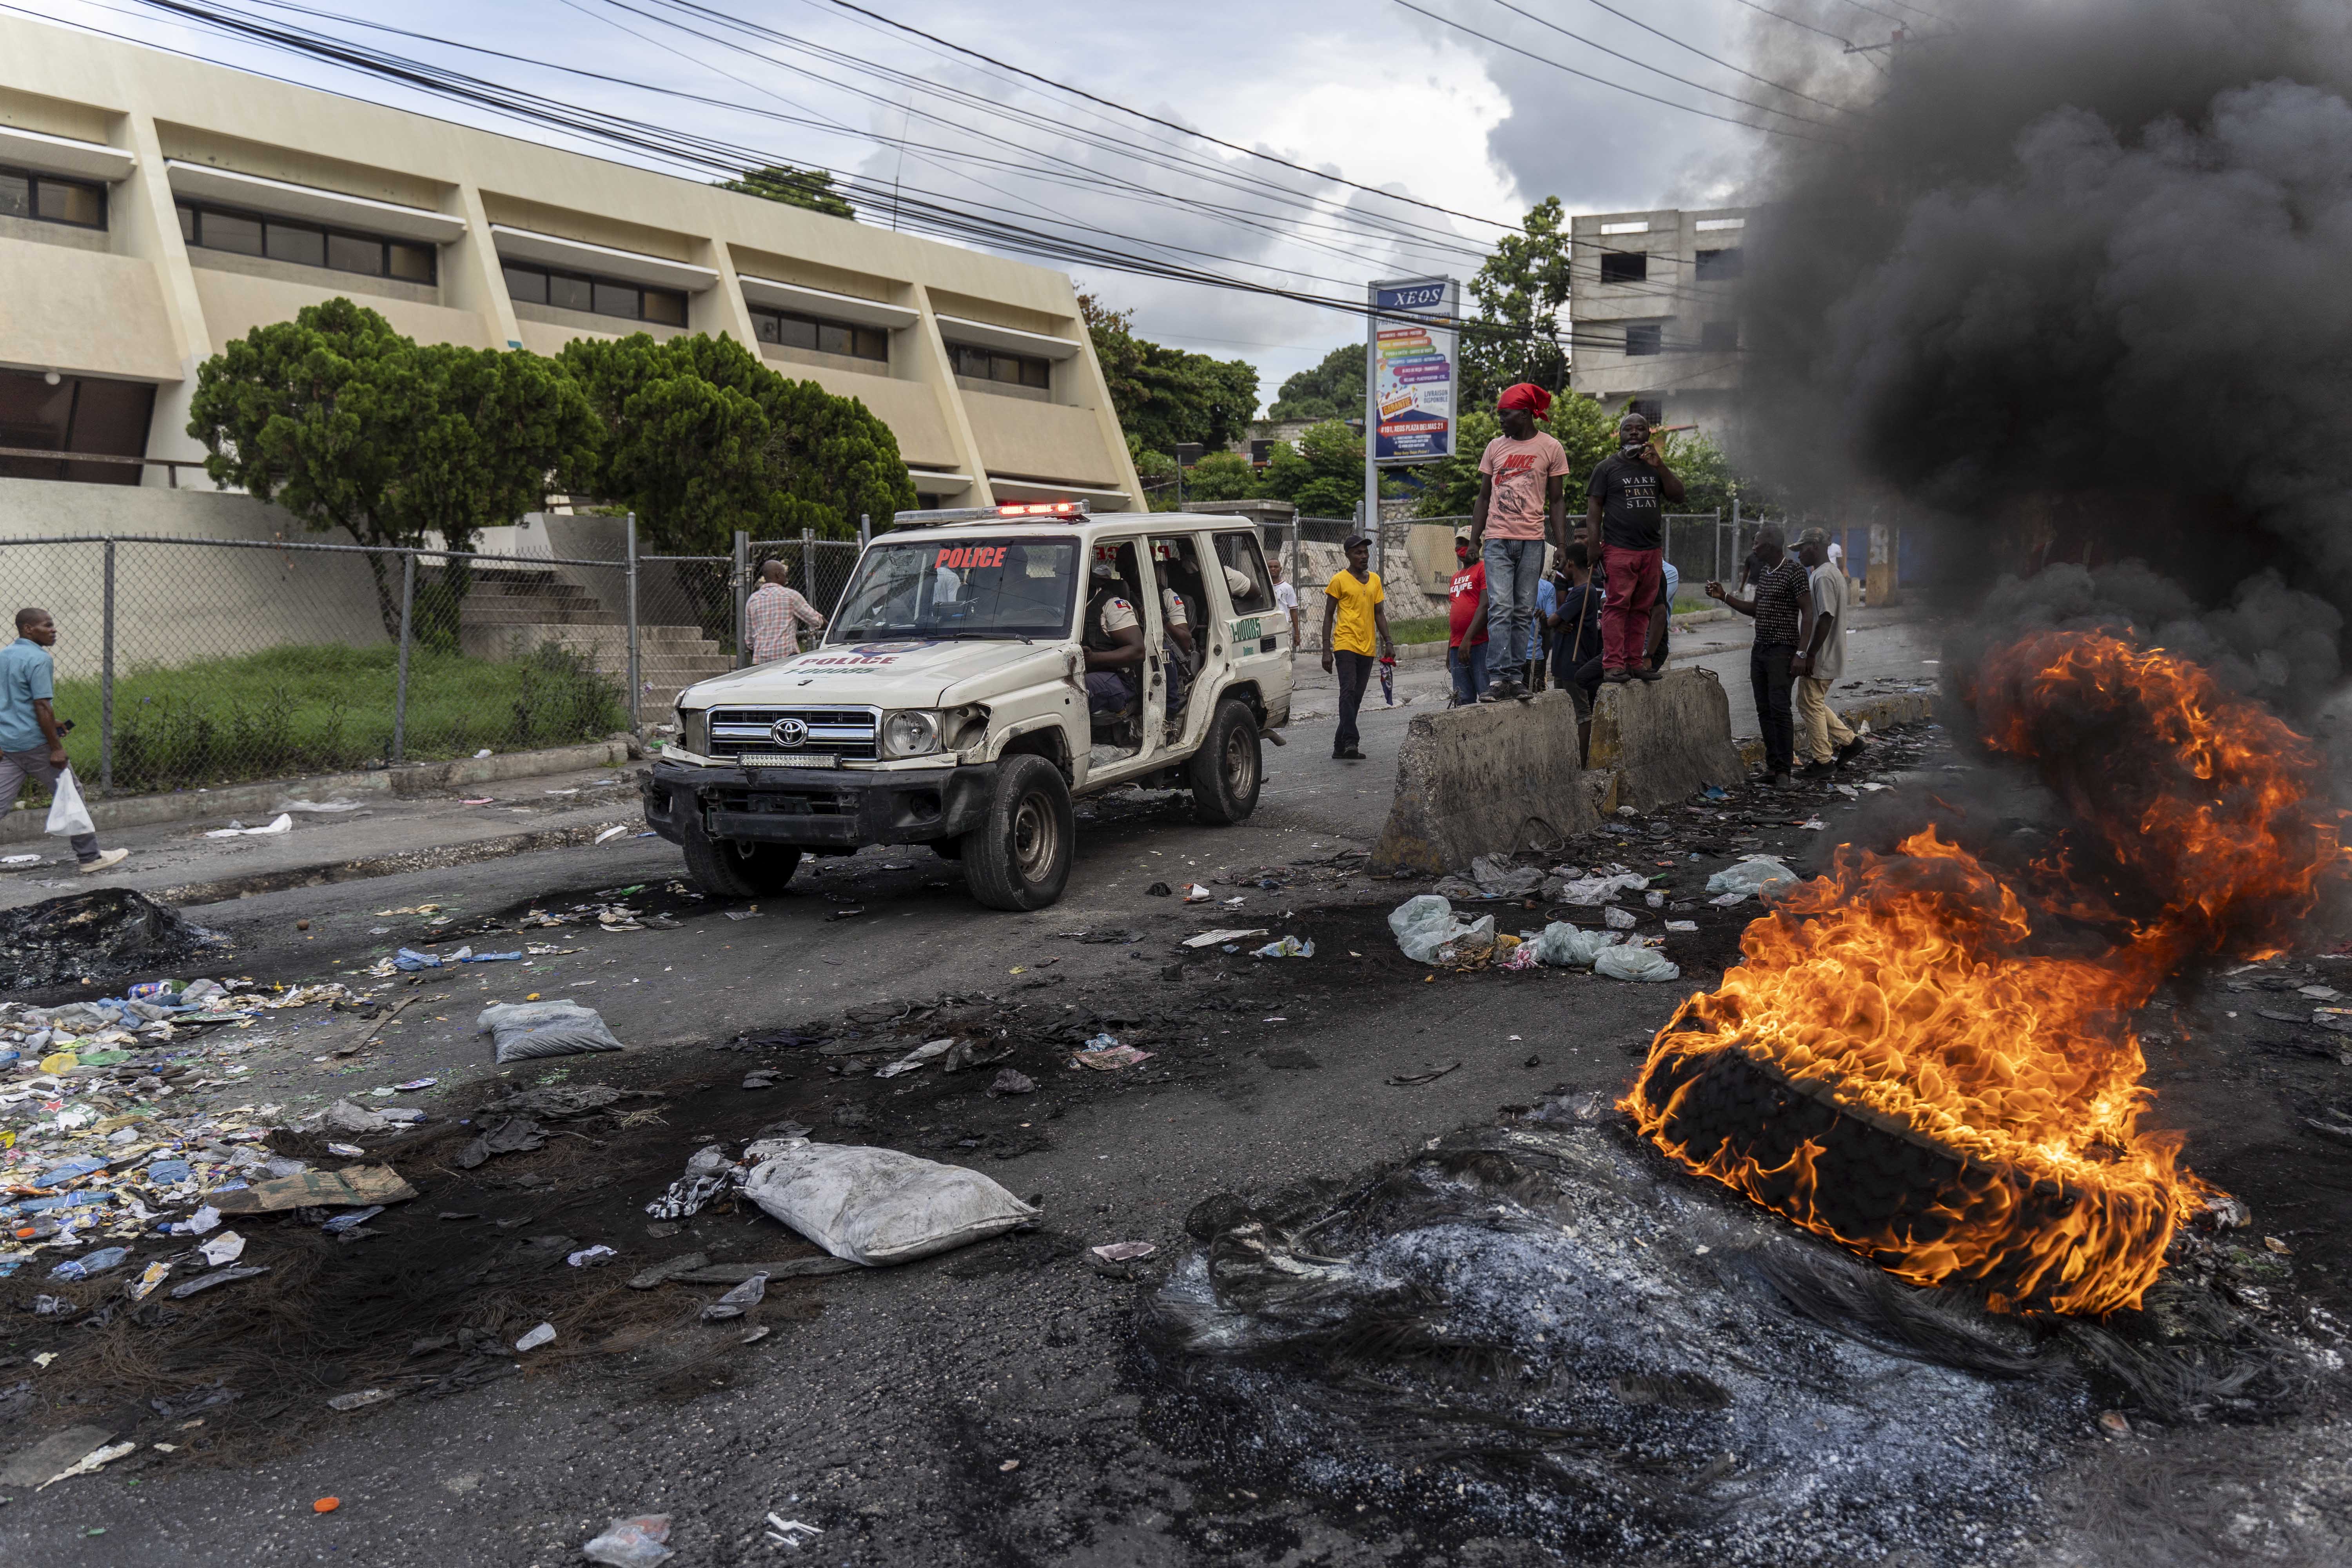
x=1483 y=780
x=1664 y=740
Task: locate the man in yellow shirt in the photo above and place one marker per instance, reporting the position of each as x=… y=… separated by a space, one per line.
x=1352 y=620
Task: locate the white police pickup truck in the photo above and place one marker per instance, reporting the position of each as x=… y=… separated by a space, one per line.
x=949 y=702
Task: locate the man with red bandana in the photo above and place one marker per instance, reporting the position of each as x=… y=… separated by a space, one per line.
x=1522 y=478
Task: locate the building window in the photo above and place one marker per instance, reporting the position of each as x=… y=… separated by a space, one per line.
x=79 y=415
x=529 y=285
x=787 y=330
x=988 y=365
x=1644 y=338
x=1719 y=266
x=1622 y=267
x=75 y=202
x=1719 y=337
x=307 y=244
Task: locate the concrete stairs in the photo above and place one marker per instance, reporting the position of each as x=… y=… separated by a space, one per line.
x=510 y=613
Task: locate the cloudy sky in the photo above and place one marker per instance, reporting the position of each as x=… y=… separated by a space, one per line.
x=1380 y=93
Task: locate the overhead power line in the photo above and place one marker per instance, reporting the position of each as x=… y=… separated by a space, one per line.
x=1694 y=48
x=1660 y=70
x=1587 y=76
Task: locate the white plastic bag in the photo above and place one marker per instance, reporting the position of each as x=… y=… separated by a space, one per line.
x=1759 y=874
x=68 y=817
x=527 y=1029
x=1632 y=962
x=1425 y=924
x=878 y=1207
x=1566 y=946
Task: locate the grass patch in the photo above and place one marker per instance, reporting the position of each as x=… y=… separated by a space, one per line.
x=1421 y=628
x=295 y=710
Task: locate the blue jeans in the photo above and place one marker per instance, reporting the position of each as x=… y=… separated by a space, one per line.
x=1514 y=572
x=1467 y=662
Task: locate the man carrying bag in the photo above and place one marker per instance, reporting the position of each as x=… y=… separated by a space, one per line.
x=33 y=744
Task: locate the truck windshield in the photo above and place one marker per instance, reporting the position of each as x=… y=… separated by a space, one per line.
x=963 y=588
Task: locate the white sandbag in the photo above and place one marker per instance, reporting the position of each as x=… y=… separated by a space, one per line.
x=68 y=817
x=1566 y=946
x=1630 y=963
x=527 y=1029
x=1757 y=874
x=878 y=1207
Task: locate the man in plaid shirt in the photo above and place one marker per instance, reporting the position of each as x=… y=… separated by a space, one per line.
x=774 y=616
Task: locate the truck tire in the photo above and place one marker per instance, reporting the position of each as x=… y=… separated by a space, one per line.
x=1018 y=857
x=1228 y=770
x=738 y=868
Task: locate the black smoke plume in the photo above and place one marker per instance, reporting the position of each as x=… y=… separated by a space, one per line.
x=2075 y=286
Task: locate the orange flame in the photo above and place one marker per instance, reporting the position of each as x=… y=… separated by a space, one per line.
x=1894 y=1066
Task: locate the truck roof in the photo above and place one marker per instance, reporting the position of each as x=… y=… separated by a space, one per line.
x=1074 y=525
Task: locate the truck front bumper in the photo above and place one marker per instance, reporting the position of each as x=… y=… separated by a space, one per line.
x=840 y=809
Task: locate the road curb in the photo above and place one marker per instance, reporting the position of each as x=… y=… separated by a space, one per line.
x=24 y=822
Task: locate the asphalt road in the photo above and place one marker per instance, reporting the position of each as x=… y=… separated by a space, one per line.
x=980 y=1407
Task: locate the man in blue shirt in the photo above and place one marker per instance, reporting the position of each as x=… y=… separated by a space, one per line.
x=31 y=743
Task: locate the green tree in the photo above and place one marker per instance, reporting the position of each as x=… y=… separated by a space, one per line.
x=701 y=439
x=1518 y=291
x=1332 y=390
x=809 y=188
x=344 y=423
x=1163 y=395
x=1323 y=475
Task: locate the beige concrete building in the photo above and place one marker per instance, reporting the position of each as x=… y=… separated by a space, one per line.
x=1654 y=299
x=153 y=208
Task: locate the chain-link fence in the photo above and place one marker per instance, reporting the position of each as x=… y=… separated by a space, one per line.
x=184 y=662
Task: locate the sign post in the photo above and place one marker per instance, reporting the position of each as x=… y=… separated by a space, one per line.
x=1411 y=370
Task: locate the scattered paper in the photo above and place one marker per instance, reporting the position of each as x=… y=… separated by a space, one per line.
x=282 y=824
x=539 y=1336
x=1213 y=938
x=225 y=1248
x=611 y=833
x=90 y=1464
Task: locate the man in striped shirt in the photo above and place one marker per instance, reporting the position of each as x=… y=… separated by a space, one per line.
x=1783 y=609
x=774 y=616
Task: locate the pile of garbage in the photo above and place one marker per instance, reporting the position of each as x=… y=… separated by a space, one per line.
x=1429 y=931
x=92 y=1147
x=81 y=937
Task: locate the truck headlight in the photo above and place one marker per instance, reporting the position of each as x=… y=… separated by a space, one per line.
x=694 y=731
x=910 y=733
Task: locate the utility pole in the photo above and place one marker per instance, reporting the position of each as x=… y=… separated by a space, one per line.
x=1372 y=420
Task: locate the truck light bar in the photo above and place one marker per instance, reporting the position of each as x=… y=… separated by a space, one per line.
x=1068 y=511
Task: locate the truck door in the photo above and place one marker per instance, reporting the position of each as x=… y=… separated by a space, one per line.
x=1131 y=560
x=1189 y=614
x=1254 y=633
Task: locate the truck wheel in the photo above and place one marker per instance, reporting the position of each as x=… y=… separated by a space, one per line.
x=1228 y=770
x=1019 y=857
x=738 y=868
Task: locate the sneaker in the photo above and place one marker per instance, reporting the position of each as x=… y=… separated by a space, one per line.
x=1850 y=750
x=1349 y=755
x=1497 y=690
x=1617 y=676
x=1645 y=673
x=106 y=859
x=1817 y=770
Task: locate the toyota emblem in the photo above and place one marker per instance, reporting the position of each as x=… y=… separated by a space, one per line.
x=790 y=733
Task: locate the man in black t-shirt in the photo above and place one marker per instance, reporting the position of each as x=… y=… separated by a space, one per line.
x=1782 y=606
x=1625 y=522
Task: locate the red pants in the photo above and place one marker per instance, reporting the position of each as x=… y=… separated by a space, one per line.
x=1632 y=579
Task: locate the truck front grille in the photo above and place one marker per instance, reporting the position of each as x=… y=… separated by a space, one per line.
x=747 y=734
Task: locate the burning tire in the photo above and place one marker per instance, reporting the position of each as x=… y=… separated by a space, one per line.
x=1880 y=1187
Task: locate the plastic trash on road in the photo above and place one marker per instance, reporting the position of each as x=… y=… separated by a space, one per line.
x=1603 y=886
x=738 y=1301
x=1423 y=925
x=1499 y=875
x=235 y=830
x=1566 y=946
x=879 y=1206
x=544 y=1334
x=1757 y=874
x=631 y=1543
x=528 y=1030
x=1288 y=947
x=1617 y=919
x=1630 y=963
